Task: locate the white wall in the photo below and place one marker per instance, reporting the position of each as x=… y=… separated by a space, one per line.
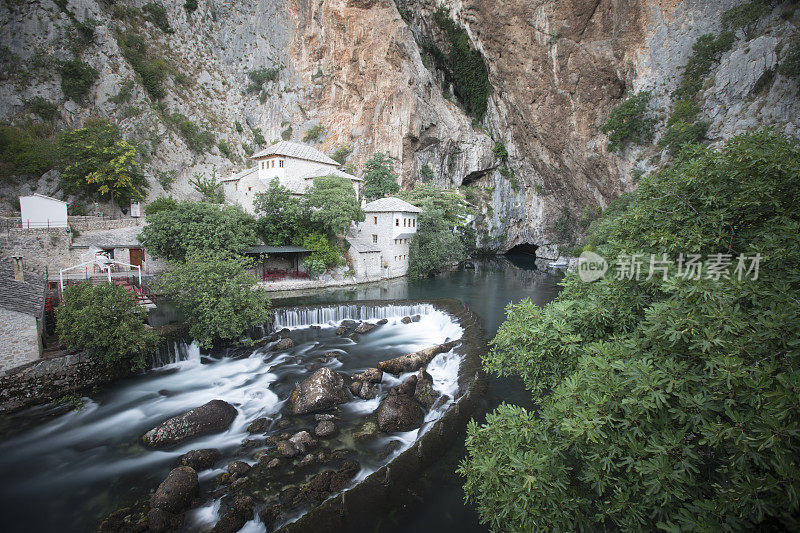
x=40 y=212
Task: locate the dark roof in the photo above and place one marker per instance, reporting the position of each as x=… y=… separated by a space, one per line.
x=21 y=296
x=261 y=249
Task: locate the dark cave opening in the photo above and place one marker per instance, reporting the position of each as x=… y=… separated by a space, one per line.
x=523 y=248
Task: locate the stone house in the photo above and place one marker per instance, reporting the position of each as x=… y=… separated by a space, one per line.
x=379 y=245
x=22 y=297
x=294 y=164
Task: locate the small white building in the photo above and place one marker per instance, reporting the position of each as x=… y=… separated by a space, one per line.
x=39 y=211
x=388 y=228
x=294 y=164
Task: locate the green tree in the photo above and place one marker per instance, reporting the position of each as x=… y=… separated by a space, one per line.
x=105 y=320
x=452 y=205
x=435 y=247
x=324 y=252
x=162 y=203
x=98 y=160
x=333 y=204
x=281 y=216
x=77 y=77
x=629 y=122
x=172 y=233
x=380 y=179
x=664 y=403
x=216 y=294
x=209 y=186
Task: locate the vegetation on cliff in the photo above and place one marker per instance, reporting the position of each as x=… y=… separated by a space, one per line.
x=669 y=402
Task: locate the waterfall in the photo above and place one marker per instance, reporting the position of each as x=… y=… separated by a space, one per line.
x=169 y=353
x=333 y=314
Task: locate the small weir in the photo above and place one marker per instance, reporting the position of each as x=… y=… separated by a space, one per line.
x=297 y=317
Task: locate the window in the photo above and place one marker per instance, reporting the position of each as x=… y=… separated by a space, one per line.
x=415 y=222
x=376 y=219
x=397 y=222
x=249 y=189
x=404 y=222
x=280 y=163
x=375 y=239
x=262 y=165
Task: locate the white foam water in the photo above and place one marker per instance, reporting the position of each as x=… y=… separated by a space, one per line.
x=334 y=314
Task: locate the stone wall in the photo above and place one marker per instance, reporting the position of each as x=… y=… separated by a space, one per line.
x=42 y=249
x=43 y=380
x=20 y=339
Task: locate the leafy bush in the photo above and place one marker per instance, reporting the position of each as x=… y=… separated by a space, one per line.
x=341 y=153
x=151 y=69
x=680 y=134
x=665 y=404
x=190 y=5
x=314 y=134
x=170 y=234
x=435 y=247
x=706 y=51
x=258 y=137
x=464 y=67
x=380 y=179
x=157 y=14
x=744 y=15
x=107 y=321
x=226 y=150
x=426 y=173
x=27 y=150
x=238 y=126
x=79 y=34
x=324 y=253
x=97 y=160
x=43 y=107
x=629 y=122
x=260 y=76
x=197 y=138
x=500 y=151
x=790 y=67
x=124 y=94
x=162 y=203
x=286 y=134
x=214 y=291
x=166 y=178
x=77 y=77
x=209 y=186
x=333 y=204
x=281 y=216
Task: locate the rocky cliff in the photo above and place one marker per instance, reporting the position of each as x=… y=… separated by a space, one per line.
x=383 y=75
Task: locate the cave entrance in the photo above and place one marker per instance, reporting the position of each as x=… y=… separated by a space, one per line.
x=523 y=248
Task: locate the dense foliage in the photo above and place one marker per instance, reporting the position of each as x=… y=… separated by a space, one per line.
x=629 y=122
x=463 y=66
x=215 y=293
x=324 y=252
x=209 y=186
x=162 y=203
x=380 y=179
x=172 y=233
x=706 y=51
x=151 y=68
x=334 y=204
x=668 y=403
x=105 y=320
x=27 y=150
x=98 y=160
x=281 y=216
x=77 y=77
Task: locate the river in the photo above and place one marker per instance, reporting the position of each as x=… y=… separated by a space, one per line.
x=62 y=470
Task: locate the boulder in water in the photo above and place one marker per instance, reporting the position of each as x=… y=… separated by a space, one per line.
x=414 y=361
x=424 y=392
x=160 y=521
x=259 y=425
x=383 y=321
x=238 y=468
x=284 y=344
x=323 y=389
x=399 y=412
x=199 y=459
x=324 y=429
x=406 y=320
x=370 y=375
x=237 y=515
x=341 y=330
x=212 y=417
x=364 y=327
x=176 y=492
x=303 y=441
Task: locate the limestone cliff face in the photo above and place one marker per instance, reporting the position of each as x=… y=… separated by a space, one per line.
x=359 y=69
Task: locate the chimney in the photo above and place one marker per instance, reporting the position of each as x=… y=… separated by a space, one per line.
x=18 y=274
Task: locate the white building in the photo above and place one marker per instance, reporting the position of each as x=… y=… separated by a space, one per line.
x=39 y=211
x=294 y=164
x=379 y=245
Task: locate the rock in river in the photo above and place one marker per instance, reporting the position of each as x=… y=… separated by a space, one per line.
x=283 y=344
x=177 y=491
x=414 y=361
x=199 y=459
x=364 y=327
x=399 y=413
x=213 y=417
x=323 y=389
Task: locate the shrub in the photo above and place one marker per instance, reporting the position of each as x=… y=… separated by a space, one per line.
x=435 y=247
x=105 y=320
x=324 y=253
x=208 y=186
x=43 y=107
x=157 y=14
x=500 y=151
x=706 y=51
x=197 y=138
x=162 y=203
x=426 y=173
x=258 y=137
x=314 y=134
x=629 y=122
x=744 y=15
x=190 y=5
x=226 y=150
x=170 y=234
x=663 y=404
x=464 y=66
x=27 y=150
x=214 y=291
x=124 y=94
x=790 y=67
x=341 y=153
x=680 y=134
x=77 y=77
x=238 y=126
x=152 y=70
x=380 y=179
x=260 y=76
x=333 y=204
x=166 y=178
x=286 y=134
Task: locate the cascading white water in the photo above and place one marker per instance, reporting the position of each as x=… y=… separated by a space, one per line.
x=177 y=352
x=329 y=315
